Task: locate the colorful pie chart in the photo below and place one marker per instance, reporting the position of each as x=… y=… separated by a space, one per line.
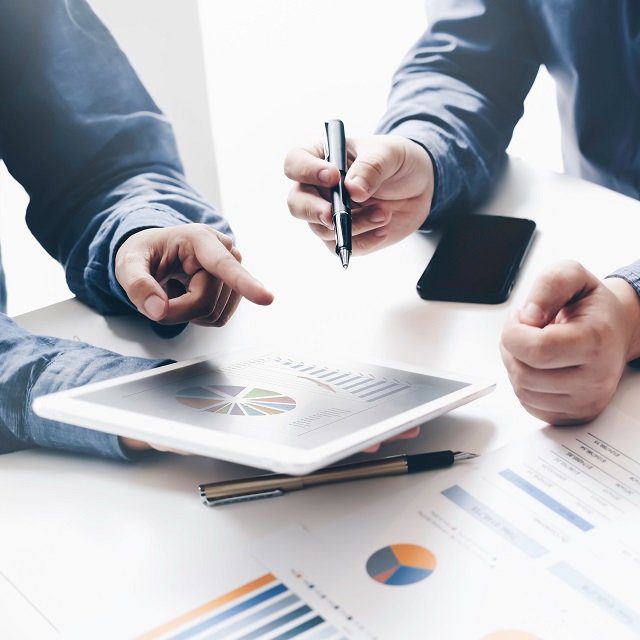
x=235 y=400
x=401 y=564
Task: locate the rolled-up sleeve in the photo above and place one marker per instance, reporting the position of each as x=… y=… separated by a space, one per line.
x=460 y=92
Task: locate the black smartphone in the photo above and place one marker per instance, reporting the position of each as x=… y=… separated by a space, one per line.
x=477 y=259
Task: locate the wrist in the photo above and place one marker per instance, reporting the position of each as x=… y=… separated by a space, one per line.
x=630 y=301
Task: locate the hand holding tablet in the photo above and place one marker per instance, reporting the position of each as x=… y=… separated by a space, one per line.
x=287 y=413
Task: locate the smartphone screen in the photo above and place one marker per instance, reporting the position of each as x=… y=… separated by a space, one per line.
x=477 y=259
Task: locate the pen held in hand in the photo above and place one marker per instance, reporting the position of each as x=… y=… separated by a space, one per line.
x=273 y=485
x=336 y=153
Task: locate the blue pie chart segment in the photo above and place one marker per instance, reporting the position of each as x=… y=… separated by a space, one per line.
x=401 y=564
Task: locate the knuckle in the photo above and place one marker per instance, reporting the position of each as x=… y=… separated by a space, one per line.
x=540 y=352
x=202 y=307
x=291 y=201
x=290 y=164
x=137 y=284
x=373 y=163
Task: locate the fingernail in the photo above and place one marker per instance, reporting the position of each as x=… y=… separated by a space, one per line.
x=378 y=216
x=324 y=175
x=361 y=182
x=380 y=233
x=154 y=307
x=531 y=313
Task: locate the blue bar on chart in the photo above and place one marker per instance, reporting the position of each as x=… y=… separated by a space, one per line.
x=598 y=596
x=494 y=521
x=262 y=608
x=546 y=500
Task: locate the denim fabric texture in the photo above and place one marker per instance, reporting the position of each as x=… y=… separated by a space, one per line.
x=99 y=161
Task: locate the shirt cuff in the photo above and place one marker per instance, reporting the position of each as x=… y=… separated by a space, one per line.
x=630 y=274
x=95 y=365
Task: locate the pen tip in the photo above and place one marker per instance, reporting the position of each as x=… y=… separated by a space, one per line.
x=464 y=455
x=345 y=254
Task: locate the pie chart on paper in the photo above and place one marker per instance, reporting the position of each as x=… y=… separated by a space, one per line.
x=401 y=564
x=235 y=400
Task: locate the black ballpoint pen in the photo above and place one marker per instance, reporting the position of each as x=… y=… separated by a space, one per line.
x=336 y=154
x=273 y=485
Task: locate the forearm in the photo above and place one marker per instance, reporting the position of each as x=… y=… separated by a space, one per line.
x=94 y=152
x=143 y=201
x=460 y=91
x=37 y=365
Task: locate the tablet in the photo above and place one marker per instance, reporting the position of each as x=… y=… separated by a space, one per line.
x=287 y=413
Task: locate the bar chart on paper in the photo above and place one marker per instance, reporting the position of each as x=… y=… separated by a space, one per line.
x=264 y=608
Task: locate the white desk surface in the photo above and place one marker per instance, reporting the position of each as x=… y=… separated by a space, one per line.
x=76 y=521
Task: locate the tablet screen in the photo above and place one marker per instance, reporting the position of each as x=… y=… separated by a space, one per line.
x=282 y=399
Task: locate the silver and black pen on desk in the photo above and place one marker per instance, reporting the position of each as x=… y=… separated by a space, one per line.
x=272 y=485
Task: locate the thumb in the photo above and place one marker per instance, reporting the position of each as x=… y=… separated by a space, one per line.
x=558 y=286
x=143 y=289
x=376 y=160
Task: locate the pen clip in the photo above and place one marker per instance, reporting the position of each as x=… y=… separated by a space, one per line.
x=247 y=497
x=325 y=141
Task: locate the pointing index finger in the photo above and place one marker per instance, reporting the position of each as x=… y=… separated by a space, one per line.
x=219 y=262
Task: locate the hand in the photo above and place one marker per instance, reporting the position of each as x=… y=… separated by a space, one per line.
x=414 y=432
x=390 y=181
x=565 y=351
x=138 y=446
x=187 y=273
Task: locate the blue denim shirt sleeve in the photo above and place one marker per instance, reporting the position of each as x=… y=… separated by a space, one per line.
x=79 y=131
x=36 y=365
x=99 y=162
x=460 y=91
x=630 y=273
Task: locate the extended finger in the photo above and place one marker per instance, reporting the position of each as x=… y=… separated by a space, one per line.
x=309 y=167
x=222 y=265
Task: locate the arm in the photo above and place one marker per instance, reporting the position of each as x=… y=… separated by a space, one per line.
x=36 y=365
x=460 y=92
x=453 y=106
x=80 y=133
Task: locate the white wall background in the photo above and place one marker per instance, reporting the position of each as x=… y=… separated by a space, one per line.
x=274 y=76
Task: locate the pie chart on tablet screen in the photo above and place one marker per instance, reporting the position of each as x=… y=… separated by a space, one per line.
x=401 y=564
x=235 y=400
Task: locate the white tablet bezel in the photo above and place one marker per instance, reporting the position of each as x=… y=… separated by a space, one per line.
x=67 y=406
